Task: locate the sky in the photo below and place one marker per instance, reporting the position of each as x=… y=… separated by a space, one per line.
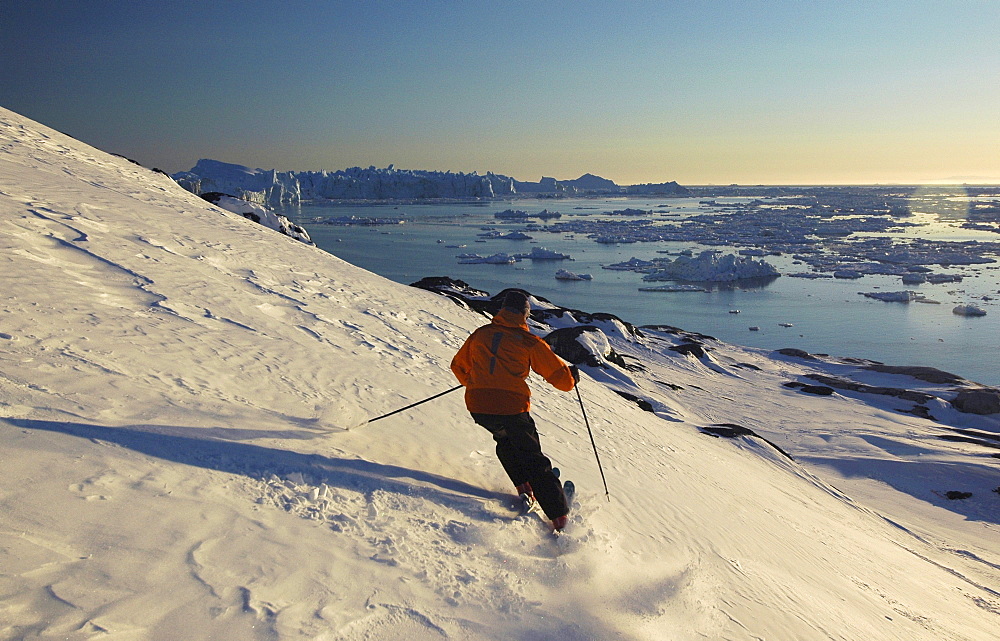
x=748 y=92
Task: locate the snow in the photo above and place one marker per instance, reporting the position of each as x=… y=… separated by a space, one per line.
x=187 y=454
x=259 y=214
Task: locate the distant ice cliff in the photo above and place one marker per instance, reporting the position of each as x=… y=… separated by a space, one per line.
x=272 y=187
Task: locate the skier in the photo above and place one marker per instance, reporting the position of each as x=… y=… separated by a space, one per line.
x=492 y=365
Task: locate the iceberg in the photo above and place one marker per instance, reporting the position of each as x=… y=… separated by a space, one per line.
x=540 y=253
x=944 y=278
x=675 y=288
x=894 y=297
x=631 y=265
x=713 y=266
x=563 y=274
x=511 y=214
x=366 y=221
x=968 y=310
x=269 y=186
x=515 y=235
x=495 y=259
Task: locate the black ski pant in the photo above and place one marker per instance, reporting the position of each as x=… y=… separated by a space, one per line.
x=520 y=453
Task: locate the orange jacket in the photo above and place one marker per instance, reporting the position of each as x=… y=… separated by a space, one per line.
x=497 y=358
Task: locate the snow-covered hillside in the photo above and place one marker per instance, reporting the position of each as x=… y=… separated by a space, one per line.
x=186 y=453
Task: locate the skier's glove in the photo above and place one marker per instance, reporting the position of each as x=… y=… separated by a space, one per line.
x=575 y=371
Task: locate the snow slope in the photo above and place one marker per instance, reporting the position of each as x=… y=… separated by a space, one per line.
x=186 y=455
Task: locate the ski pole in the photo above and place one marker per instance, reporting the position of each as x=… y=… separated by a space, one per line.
x=429 y=398
x=607 y=492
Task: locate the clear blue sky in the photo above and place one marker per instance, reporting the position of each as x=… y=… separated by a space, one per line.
x=754 y=91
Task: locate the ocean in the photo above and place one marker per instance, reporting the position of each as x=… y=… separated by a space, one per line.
x=825 y=316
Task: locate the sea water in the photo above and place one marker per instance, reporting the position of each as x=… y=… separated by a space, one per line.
x=826 y=316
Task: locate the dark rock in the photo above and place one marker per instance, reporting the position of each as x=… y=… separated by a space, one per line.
x=281 y=223
x=214 y=196
x=499 y=298
x=670 y=329
x=929 y=374
x=563 y=342
x=642 y=403
x=692 y=349
x=441 y=284
x=980 y=434
x=584 y=318
x=134 y=162
x=796 y=353
x=732 y=430
x=955 y=438
x=978 y=401
x=845 y=384
x=818 y=390
x=958 y=496
x=729 y=430
x=919 y=410
x=637 y=366
x=459 y=292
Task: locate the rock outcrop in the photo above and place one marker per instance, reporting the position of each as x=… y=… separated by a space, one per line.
x=259 y=214
x=978 y=401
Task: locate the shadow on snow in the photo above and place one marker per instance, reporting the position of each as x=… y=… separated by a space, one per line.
x=217 y=449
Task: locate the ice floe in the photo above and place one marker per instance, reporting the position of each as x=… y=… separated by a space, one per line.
x=713 y=266
x=905 y=296
x=969 y=310
x=541 y=253
x=494 y=259
x=564 y=274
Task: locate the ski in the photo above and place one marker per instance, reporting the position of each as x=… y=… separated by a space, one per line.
x=529 y=504
x=569 y=488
